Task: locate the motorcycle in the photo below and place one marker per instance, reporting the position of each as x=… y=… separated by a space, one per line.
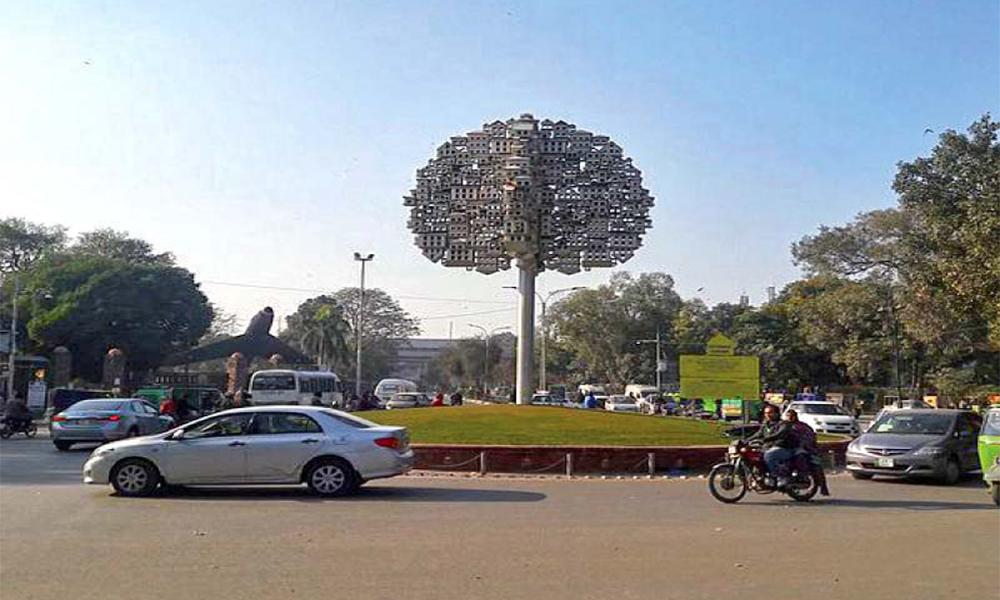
x=8 y=428
x=744 y=470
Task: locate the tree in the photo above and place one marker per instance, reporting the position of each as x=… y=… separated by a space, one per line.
x=319 y=328
x=23 y=242
x=464 y=364
x=92 y=304
x=601 y=326
x=117 y=245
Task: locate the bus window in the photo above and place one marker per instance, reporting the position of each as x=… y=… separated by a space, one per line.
x=273 y=382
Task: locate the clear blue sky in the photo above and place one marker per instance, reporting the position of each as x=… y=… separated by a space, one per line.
x=266 y=142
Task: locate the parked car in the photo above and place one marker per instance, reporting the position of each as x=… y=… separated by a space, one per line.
x=330 y=451
x=826 y=417
x=618 y=403
x=408 y=400
x=917 y=443
x=105 y=420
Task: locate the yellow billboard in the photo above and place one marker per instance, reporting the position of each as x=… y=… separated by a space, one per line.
x=713 y=377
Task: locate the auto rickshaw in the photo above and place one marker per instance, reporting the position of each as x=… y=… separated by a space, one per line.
x=989 y=451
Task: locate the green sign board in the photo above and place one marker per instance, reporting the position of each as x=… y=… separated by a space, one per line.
x=720 y=376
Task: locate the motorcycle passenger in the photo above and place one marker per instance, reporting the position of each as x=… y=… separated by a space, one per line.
x=808 y=446
x=16 y=414
x=779 y=441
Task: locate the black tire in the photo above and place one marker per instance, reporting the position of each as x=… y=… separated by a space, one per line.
x=331 y=477
x=952 y=472
x=132 y=432
x=6 y=431
x=995 y=490
x=803 y=494
x=135 y=477
x=727 y=484
x=62 y=446
x=861 y=476
x=30 y=430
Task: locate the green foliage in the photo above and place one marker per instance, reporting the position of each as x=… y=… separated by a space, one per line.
x=23 y=242
x=92 y=304
x=319 y=328
x=117 y=245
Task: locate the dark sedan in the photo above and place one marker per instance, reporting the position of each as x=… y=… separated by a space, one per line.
x=940 y=444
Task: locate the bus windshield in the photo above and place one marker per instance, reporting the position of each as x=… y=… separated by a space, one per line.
x=273 y=382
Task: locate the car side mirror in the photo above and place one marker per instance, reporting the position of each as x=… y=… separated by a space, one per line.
x=177 y=435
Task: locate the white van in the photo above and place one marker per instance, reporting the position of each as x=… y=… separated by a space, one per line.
x=387 y=388
x=283 y=386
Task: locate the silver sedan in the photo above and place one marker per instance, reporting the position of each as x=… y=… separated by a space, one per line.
x=105 y=420
x=330 y=451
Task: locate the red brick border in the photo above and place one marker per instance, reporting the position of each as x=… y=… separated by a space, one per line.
x=585 y=459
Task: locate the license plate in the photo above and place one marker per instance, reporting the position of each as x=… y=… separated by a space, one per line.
x=886 y=463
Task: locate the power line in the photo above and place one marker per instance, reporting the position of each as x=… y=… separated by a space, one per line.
x=318 y=291
x=472 y=314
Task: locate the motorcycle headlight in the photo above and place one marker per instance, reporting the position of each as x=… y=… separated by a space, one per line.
x=930 y=451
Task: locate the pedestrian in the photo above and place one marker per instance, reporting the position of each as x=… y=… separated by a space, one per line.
x=168 y=408
x=456 y=398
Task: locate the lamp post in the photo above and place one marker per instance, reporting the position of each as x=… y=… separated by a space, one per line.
x=486 y=353
x=544 y=301
x=658 y=343
x=13 y=338
x=360 y=322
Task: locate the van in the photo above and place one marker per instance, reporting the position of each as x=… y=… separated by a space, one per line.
x=387 y=388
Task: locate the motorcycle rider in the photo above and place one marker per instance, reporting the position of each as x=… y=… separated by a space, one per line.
x=16 y=414
x=779 y=441
x=809 y=447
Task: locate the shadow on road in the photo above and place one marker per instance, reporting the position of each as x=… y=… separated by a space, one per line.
x=365 y=494
x=909 y=504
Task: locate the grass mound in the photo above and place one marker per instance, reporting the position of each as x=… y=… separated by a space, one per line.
x=546 y=426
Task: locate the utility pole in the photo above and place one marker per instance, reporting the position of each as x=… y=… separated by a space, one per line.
x=659 y=344
x=360 y=322
x=13 y=338
x=486 y=354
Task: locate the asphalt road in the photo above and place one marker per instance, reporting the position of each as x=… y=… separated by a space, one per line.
x=439 y=538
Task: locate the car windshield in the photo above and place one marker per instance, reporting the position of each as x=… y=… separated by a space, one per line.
x=819 y=409
x=908 y=423
x=85 y=405
x=273 y=382
x=991 y=425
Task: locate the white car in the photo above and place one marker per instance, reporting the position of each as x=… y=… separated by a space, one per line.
x=621 y=404
x=826 y=417
x=330 y=451
x=408 y=400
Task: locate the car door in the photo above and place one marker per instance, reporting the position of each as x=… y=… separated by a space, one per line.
x=211 y=451
x=968 y=437
x=280 y=444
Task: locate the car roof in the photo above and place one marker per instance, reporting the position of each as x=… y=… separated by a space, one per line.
x=274 y=408
x=813 y=402
x=932 y=411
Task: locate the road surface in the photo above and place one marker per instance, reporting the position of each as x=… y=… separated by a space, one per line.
x=494 y=538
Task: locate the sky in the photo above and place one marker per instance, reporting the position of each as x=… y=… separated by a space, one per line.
x=263 y=143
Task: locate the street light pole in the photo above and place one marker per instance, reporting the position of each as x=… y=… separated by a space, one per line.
x=360 y=322
x=544 y=301
x=13 y=338
x=486 y=354
x=659 y=344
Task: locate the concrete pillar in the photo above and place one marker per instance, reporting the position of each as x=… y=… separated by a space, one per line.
x=525 y=330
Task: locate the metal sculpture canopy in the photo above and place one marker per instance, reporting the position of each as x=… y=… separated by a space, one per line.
x=545 y=193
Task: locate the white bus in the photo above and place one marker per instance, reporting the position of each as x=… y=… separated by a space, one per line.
x=282 y=386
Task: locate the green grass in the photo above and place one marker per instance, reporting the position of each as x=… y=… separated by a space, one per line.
x=537 y=425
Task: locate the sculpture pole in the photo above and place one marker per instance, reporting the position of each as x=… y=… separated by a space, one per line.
x=525 y=329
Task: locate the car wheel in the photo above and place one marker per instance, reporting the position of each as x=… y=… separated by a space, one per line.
x=332 y=477
x=863 y=476
x=134 y=477
x=132 y=432
x=62 y=446
x=952 y=472
x=995 y=489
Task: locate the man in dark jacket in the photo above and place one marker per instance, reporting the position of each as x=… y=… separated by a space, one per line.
x=779 y=440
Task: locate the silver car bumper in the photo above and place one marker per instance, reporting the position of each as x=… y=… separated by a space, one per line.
x=108 y=432
x=97 y=469
x=902 y=465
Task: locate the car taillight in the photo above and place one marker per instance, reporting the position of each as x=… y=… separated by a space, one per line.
x=58 y=418
x=388 y=442
x=115 y=418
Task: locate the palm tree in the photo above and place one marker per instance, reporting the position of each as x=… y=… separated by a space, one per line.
x=325 y=336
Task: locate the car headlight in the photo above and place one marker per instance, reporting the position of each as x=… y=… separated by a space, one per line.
x=930 y=451
x=103 y=451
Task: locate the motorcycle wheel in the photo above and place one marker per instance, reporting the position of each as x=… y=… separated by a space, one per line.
x=727 y=484
x=803 y=493
x=30 y=430
x=6 y=431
